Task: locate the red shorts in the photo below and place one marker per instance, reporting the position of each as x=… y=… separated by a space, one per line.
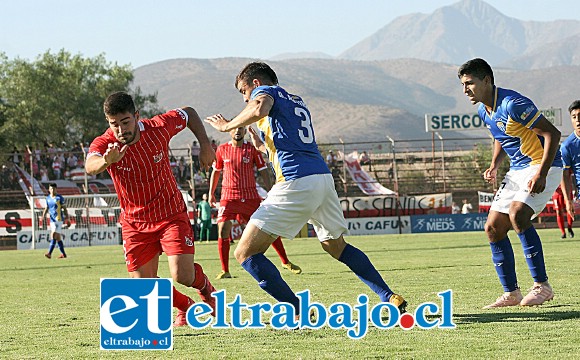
x=239 y=210
x=143 y=241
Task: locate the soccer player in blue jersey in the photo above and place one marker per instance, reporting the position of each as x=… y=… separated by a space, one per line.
x=571 y=158
x=304 y=189
x=56 y=207
x=531 y=142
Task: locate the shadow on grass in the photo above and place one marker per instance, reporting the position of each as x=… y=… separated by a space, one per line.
x=484 y=318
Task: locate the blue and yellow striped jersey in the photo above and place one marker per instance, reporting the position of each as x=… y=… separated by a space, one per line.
x=511 y=123
x=288 y=135
x=55 y=207
x=571 y=157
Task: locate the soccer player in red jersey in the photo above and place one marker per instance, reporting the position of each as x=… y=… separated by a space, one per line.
x=561 y=213
x=239 y=196
x=154 y=217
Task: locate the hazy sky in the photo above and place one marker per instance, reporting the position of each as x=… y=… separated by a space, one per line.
x=140 y=32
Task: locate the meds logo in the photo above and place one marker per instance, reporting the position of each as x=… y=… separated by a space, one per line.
x=136 y=314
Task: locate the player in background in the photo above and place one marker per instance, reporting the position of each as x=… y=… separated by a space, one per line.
x=304 y=189
x=154 y=217
x=236 y=160
x=204 y=216
x=531 y=142
x=56 y=207
x=571 y=158
x=562 y=216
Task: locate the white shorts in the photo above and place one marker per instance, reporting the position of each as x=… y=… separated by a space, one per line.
x=291 y=204
x=56 y=226
x=514 y=187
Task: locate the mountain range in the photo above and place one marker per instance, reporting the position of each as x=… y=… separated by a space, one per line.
x=386 y=83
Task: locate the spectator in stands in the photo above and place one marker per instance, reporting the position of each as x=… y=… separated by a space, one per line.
x=455 y=208
x=214 y=145
x=331 y=160
x=43 y=174
x=198 y=179
x=467 y=207
x=57 y=167
x=364 y=159
x=15 y=157
x=195 y=156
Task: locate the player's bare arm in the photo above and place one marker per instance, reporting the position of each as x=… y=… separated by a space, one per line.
x=256 y=141
x=194 y=123
x=213 y=181
x=97 y=164
x=254 y=111
x=490 y=175
x=566 y=185
x=551 y=137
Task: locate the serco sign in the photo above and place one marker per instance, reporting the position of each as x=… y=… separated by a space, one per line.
x=456 y=122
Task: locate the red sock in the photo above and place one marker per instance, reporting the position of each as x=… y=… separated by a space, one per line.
x=279 y=247
x=560 y=221
x=199 y=282
x=224 y=250
x=570 y=220
x=181 y=301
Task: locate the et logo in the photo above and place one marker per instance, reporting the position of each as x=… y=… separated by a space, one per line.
x=136 y=314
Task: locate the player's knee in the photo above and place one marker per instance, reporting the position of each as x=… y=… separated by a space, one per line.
x=493 y=231
x=183 y=278
x=240 y=254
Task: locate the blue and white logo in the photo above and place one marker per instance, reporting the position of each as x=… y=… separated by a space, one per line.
x=136 y=314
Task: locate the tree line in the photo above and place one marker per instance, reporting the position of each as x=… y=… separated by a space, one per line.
x=59 y=97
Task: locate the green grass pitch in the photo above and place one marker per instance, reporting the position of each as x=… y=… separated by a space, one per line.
x=50 y=308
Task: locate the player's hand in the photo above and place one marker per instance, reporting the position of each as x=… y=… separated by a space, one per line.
x=212 y=200
x=115 y=153
x=218 y=122
x=490 y=175
x=206 y=156
x=537 y=184
x=570 y=208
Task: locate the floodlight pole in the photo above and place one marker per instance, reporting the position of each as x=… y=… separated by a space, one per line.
x=396 y=183
x=87 y=207
x=443 y=167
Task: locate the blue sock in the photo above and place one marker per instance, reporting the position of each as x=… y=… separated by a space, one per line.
x=61 y=247
x=360 y=264
x=51 y=246
x=270 y=280
x=534 y=254
x=502 y=255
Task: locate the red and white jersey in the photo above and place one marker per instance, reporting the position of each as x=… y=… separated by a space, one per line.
x=237 y=163
x=143 y=179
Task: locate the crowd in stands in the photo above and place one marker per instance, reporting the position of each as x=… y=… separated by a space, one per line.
x=49 y=161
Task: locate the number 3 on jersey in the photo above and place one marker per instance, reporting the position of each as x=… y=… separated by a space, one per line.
x=306 y=135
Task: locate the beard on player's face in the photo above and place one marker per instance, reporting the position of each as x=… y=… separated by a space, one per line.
x=127 y=136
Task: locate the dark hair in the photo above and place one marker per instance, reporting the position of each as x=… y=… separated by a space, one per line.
x=476 y=67
x=118 y=103
x=52 y=185
x=574 y=106
x=257 y=70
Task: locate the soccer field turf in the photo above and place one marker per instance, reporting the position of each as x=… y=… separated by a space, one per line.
x=50 y=308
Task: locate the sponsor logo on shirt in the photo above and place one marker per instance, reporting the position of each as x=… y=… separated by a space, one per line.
x=157 y=158
x=527 y=112
x=500 y=125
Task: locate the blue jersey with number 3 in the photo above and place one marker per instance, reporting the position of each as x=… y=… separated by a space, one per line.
x=288 y=135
